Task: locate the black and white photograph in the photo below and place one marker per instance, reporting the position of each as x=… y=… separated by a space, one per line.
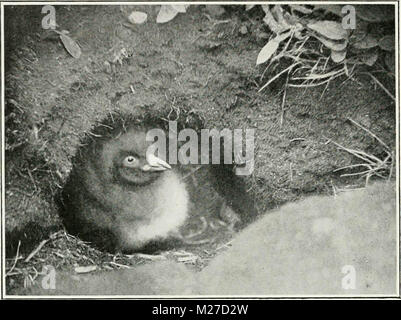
x=204 y=150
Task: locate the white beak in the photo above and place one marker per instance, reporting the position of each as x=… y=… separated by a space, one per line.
x=155 y=163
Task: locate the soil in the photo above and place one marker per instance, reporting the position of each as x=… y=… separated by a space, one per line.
x=198 y=69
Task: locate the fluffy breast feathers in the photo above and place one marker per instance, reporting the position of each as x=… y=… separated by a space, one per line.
x=169 y=211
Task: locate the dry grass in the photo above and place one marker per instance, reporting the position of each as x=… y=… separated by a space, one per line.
x=310 y=67
x=371 y=165
x=64 y=252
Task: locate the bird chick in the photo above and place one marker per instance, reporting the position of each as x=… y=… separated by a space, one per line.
x=121 y=197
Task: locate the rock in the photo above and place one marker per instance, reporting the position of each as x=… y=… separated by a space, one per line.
x=304 y=247
x=243 y=30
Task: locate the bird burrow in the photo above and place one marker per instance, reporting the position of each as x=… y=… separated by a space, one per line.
x=122 y=197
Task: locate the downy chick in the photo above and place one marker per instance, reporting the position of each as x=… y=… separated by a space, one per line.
x=122 y=198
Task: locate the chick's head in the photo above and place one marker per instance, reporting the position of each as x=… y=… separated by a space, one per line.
x=128 y=159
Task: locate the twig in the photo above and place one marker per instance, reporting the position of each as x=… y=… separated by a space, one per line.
x=354 y=152
x=119 y=265
x=313 y=76
x=15 y=260
x=190 y=259
x=353 y=166
x=225 y=245
x=373 y=167
x=147 y=256
x=361 y=173
x=278 y=75
x=36 y=250
x=324 y=90
x=191 y=173
x=93 y=134
x=315 y=84
x=371 y=133
x=381 y=86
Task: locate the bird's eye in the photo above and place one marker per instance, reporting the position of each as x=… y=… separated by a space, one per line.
x=129 y=161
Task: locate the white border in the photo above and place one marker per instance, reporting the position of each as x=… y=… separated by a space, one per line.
x=194 y=297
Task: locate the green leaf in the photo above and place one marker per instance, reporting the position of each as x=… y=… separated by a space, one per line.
x=270 y=48
x=330 y=29
x=276 y=25
x=387 y=43
x=278 y=13
x=366 y=43
x=332 y=44
x=338 y=56
x=375 y=12
x=71 y=46
x=300 y=8
x=335 y=9
x=267 y=51
x=182 y=8
x=389 y=59
x=369 y=58
x=358 y=34
x=291 y=19
x=166 y=14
